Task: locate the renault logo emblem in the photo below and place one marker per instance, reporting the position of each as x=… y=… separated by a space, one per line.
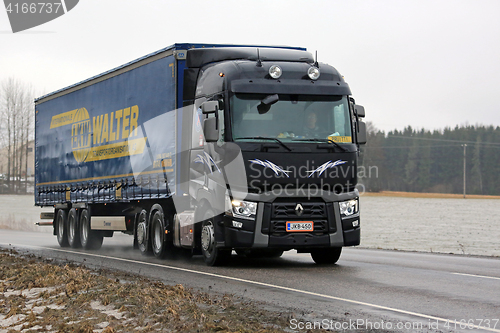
x=299 y=209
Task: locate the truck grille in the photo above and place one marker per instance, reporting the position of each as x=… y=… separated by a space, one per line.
x=281 y=212
x=292 y=210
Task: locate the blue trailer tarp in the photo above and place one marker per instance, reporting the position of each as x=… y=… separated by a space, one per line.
x=96 y=138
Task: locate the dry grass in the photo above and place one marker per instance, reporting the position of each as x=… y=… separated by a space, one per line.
x=46 y=297
x=427 y=195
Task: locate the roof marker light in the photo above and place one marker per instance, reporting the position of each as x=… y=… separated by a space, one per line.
x=313 y=73
x=275 y=71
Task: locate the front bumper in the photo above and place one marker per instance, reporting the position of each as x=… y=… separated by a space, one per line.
x=267 y=230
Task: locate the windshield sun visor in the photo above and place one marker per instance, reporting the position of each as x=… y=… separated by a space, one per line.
x=302 y=87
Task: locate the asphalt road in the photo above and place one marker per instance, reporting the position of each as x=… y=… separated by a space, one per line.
x=367 y=289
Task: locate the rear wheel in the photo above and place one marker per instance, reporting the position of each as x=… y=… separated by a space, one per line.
x=213 y=256
x=143 y=242
x=159 y=239
x=73 y=229
x=326 y=255
x=61 y=228
x=90 y=239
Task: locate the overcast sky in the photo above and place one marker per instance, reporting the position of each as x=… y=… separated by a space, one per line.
x=428 y=64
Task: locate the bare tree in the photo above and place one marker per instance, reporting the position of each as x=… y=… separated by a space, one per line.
x=16 y=115
x=371 y=129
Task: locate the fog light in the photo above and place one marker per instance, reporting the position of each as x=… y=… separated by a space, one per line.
x=355 y=223
x=313 y=73
x=275 y=71
x=237 y=224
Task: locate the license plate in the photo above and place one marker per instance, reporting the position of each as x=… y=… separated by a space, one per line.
x=299 y=226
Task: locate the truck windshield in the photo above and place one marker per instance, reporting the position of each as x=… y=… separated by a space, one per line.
x=292 y=118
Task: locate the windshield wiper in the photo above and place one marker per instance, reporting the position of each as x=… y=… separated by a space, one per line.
x=323 y=140
x=265 y=138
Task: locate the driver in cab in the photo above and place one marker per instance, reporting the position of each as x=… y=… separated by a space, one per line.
x=311 y=129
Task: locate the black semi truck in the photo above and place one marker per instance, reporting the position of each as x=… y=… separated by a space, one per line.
x=206 y=148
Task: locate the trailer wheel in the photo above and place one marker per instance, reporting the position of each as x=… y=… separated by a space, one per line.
x=143 y=242
x=90 y=239
x=73 y=229
x=213 y=256
x=326 y=255
x=61 y=228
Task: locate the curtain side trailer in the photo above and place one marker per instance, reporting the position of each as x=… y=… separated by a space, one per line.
x=206 y=149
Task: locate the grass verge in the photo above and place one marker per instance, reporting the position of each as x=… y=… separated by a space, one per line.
x=40 y=296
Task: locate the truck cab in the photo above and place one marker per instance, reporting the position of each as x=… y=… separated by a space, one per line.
x=294 y=130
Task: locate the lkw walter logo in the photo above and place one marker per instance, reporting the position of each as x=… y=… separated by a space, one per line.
x=25 y=14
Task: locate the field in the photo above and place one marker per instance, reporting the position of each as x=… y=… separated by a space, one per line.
x=427 y=195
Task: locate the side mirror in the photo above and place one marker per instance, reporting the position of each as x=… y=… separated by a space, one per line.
x=209 y=107
x=210 y=129
x=361 y=135
x=359 y=110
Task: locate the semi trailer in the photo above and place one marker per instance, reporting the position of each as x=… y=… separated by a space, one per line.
x=206 y=149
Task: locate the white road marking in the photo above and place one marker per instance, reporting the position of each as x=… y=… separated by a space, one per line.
x=305 y=292
x=479 y=276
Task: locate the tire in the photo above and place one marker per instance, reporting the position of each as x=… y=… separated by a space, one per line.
x=143 y=242
x=213 y=256
x=61 y=228
x=326 y=256
x=159 y=241
x=90 y=239
x=73 y=229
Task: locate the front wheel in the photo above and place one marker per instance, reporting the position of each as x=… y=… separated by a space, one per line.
x=325 y=256
x=213 y=256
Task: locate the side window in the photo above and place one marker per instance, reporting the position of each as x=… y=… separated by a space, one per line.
x=339 y=119
x=220 y=115
x=222 y=128
x=197 y=139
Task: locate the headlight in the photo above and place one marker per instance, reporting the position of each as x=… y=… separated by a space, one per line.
x=244 y=209
x=348 y=208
